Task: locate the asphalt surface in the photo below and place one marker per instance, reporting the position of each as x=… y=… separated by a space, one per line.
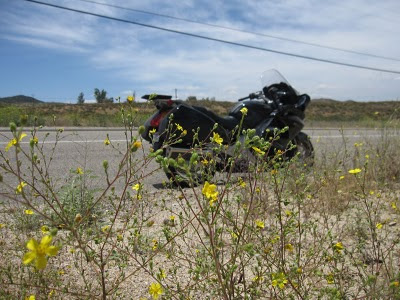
x=84 y=148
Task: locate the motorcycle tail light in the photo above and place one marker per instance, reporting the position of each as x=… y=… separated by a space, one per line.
x=155 y=122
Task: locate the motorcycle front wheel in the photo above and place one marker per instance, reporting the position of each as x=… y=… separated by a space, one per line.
x=304 y=148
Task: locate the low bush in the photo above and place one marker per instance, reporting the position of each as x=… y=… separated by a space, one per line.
x=281 y=230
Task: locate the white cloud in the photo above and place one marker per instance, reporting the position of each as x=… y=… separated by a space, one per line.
x=43 y=43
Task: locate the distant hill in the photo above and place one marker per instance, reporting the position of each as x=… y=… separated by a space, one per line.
x=20 y=99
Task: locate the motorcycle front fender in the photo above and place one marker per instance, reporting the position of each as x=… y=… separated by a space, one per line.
x=267 y=130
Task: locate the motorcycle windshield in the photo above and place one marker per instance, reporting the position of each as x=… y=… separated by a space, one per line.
x=273 y=76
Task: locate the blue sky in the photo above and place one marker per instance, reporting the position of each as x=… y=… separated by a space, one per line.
x=55 y=54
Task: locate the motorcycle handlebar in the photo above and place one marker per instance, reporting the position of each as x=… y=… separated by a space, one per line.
x=251 y=96
x=244 y=98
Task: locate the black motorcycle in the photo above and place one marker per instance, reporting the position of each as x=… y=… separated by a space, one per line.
x=180 y=129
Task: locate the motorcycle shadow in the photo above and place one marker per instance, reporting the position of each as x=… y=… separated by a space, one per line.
x=220 y=180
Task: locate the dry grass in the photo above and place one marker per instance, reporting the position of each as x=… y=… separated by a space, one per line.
x=320 y=113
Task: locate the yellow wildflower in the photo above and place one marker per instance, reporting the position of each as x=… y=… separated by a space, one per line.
x=234 y=235
x=107 y=141
x=15 y=141
x=244 y=111
x=338 y=247
x=136 y=187
x=393 y=205
x=30 y=297
x=153 y=131
x=394 y=284
x=288 y=213
x=79 y=171
x=136 y=145
x=155 y=290
x=29 y=212
x=105 y=228
x=258 y=279
x=279 y=279
x=289 y=247
x=204 y=162
x=341 y=177
x=130 y=98
x=155 y=245
x=260 y=224
x=172 y=218
x=19 y=188
x=35 y=140
x=330 y=279
x=2 y=225
x=355 y=171
x=44 y=229
x=39 y=252
x=379 y=225
x=241 y=182
x=258 y=150
x=217 y=139
x=179 y=127
x=210 y=191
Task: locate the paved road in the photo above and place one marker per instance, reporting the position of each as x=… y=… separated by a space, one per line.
x=84 y=147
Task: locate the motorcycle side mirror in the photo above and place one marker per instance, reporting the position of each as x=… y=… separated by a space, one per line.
x=303 y=102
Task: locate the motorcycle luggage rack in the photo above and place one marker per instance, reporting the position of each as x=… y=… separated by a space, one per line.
x=156 y=97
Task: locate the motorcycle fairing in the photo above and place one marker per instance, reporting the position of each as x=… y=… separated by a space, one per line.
x=257 y=112
x=190 y=119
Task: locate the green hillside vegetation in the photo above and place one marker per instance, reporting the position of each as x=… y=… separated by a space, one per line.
x=320 y=112
x=20 y=99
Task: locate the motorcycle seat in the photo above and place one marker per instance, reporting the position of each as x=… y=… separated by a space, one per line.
x=228 y=122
